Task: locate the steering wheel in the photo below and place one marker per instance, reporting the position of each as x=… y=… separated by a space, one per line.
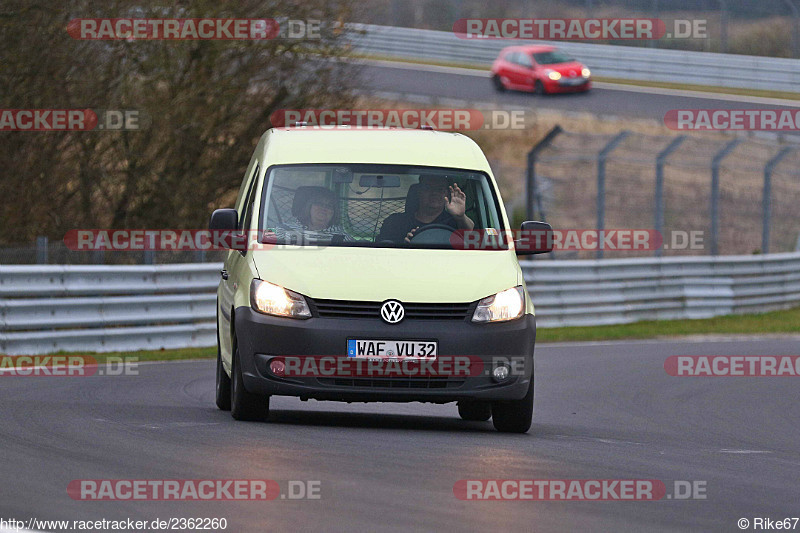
x=433 y=234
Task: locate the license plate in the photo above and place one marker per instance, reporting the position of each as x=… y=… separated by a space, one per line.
x=573 y=81
x=388 y=349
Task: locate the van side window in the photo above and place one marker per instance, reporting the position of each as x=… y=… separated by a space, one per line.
x=247 y=208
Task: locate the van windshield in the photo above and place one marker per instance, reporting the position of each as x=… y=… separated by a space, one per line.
x=362 y=205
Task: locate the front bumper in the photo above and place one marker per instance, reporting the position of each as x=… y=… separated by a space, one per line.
x=261 y=338
x=567 y=85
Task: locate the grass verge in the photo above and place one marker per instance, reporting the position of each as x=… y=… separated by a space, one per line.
x=763 y=323
x=151 y=355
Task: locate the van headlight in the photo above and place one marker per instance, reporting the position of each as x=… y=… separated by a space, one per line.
x=505 y=305
x=271 y=299
x=585 y=72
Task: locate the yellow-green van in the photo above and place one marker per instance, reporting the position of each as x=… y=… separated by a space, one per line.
x=356 y=253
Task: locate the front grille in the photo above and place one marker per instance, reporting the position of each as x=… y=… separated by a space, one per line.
x=413 y=311
x=392 y=383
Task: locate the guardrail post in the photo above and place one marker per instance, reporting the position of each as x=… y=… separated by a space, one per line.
x=41 y=250
x=766 y=199
x=661 y=159
x=530 y=174
x=149 y=257
x=715 y=164
x=601 y=186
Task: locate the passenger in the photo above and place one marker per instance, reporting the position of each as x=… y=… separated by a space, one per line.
x=438 y=203
x=319 y=211
x=315 y=215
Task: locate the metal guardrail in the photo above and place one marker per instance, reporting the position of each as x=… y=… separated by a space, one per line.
x=49 y=308
x=624 y=62
x=617 y=291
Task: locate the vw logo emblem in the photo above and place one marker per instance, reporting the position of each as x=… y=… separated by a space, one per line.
x=392 y=312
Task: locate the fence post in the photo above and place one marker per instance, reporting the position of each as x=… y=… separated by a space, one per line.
x=601 y=186
x=766 y=198
x=41 y=250
x=652 y=42
x=530 y=174
x=723 y=34
x=661 y=159
x=715 y=164
x=795 y=28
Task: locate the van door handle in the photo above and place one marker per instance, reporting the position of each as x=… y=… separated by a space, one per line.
x=223 y=273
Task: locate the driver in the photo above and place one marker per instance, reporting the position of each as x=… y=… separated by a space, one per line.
x=439 y=203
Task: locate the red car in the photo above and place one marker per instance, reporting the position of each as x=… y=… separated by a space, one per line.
x=541 y=69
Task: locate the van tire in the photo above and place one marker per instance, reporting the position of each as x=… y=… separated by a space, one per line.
x=245 y=405
x=475 y=411
x=514 y=416
x=223 y=386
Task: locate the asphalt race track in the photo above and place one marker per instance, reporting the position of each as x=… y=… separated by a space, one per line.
x=603 y=411
x=475 y=86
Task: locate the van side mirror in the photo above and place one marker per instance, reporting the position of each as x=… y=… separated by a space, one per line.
x=535 y=238
x=224 y=220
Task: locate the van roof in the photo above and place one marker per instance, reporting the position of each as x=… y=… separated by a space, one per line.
x=298 y=145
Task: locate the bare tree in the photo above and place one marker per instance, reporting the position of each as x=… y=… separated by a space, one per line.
x=203 y=104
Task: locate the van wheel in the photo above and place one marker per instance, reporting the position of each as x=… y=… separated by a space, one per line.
x=245 y=405
x=475 y=410
x=223 y=385
x=514 y=416
x=498 y=84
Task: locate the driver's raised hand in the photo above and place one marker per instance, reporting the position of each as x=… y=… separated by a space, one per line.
x=456 y=205
x=410 y=235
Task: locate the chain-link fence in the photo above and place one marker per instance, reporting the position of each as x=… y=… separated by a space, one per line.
x=705 y=195
x=737 y=195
